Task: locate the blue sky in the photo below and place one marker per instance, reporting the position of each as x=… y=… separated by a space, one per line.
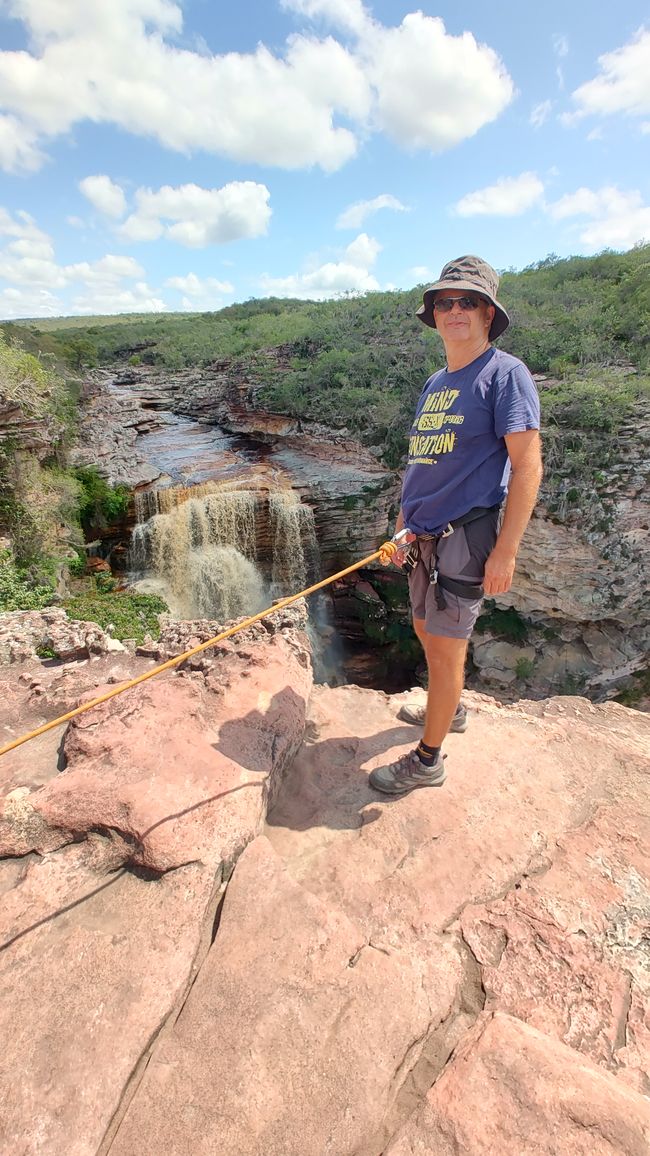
x=159 y=155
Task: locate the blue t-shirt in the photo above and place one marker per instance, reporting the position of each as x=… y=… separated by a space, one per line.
x=457 y=456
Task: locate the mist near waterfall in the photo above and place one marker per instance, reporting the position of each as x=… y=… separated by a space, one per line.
x=221 y=553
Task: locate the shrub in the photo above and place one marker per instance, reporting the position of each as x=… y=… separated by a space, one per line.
x=524 y=668
x=129 y=615
x=100 y=503
x=17 y=588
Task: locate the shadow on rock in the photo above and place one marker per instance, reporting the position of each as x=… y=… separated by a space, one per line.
x=327 y=784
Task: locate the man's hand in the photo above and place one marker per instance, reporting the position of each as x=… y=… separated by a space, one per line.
x=499 y=571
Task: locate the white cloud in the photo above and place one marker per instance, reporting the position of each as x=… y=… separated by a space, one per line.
x=351 y=274
x=645 y=127
x=109 y=270
x=509 y=197
x=29 y=303
x=421 y=273
x=354 y=216
x=348 y=14
x=119 y=64
x=619 y=219
x=197 y=217
x=112 y=64
x=434 y=90
x=34 y=282
x=198 y=286
x=105 y=195
x=541 y=113
x=623 y=84
x=18 y=149
x=99 y=300
x=200 y=293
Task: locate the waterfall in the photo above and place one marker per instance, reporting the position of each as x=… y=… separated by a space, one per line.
x=294 y=543
x=204 y=548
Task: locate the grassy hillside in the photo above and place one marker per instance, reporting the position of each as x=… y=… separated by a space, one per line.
x=360 y=362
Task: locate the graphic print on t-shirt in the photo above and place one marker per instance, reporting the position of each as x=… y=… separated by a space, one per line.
x=429 y=442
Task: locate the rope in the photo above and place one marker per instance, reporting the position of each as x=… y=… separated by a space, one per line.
x=384 y=554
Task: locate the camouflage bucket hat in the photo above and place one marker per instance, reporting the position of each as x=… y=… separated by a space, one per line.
x=467 y=273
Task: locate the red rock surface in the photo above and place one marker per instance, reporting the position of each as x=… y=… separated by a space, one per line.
x=460 y=970
x=510 y=1090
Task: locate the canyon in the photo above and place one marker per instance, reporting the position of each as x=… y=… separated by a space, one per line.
x=577 y=617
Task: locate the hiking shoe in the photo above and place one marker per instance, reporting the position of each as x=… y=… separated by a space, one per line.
x=406 y=774
x=415 y=714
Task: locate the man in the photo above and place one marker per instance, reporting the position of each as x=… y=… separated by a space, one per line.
x=475 y=442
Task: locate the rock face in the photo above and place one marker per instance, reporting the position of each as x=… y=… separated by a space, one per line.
x=353 y=496
x=581 y=589
x=460 y=970
x=26 y=634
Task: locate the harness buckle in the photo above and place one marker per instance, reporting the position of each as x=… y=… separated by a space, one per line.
x=449 y=529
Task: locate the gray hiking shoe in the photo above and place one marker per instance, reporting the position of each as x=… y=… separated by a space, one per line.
x=415 y=714
x=406 y=774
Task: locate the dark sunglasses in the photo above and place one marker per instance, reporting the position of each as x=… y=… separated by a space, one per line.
x=446 y=304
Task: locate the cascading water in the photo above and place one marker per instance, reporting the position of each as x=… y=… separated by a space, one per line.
x=200 y=548
x=294 y=543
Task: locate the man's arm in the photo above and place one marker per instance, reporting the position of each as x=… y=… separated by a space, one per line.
x=525 y=453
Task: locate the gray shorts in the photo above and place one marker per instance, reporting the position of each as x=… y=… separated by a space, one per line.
x=462 y=555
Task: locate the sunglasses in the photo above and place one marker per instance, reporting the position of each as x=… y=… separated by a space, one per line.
x=446 y=304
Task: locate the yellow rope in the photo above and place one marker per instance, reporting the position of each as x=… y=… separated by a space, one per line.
x=384 y=554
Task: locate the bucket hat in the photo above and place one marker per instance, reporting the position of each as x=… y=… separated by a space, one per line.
x=467 y=273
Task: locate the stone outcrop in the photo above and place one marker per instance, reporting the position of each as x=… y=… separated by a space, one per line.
x=217 y=938
x=32 y=634
x=581 y=587
x=27 y=433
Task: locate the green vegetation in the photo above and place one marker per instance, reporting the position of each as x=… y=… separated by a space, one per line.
x=99 y=503
x=18 y=589
x=507 y=624
x=361 y=362
x=638 y=689
x=128 y=615
x=524 y=668
x=358 y=363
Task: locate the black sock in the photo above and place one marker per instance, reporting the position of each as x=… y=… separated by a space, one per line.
x=426 y=754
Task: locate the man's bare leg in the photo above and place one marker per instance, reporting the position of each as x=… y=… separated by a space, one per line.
x=446 y=665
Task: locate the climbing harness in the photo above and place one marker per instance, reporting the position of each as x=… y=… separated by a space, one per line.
x=385 y=553
x=457 y=586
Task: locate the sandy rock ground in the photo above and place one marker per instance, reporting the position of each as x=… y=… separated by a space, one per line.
x=215 y=938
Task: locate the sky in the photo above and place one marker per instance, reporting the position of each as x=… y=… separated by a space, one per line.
x=181 y=155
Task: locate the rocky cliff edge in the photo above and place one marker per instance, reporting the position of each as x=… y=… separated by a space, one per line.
x=216 y=939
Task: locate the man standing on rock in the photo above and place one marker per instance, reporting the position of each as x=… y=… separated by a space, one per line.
x=474 y=444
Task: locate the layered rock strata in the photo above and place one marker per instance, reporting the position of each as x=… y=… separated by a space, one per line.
x=462 y=969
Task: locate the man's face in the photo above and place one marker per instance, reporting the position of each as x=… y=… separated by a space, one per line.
x=458 y=323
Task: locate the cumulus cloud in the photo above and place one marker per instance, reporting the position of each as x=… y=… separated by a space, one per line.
x=433 y=89
x=105 y=195
x=113 y=299
x=348 y=14
x=120 y=64
x=354 y=216
x=200 y=293
x=623 y=83
x=509 y=197
x=19 y=151
x=197 y=217
x=35 y=284
x=350 y=274
x=618 y=219
x=421 y=273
